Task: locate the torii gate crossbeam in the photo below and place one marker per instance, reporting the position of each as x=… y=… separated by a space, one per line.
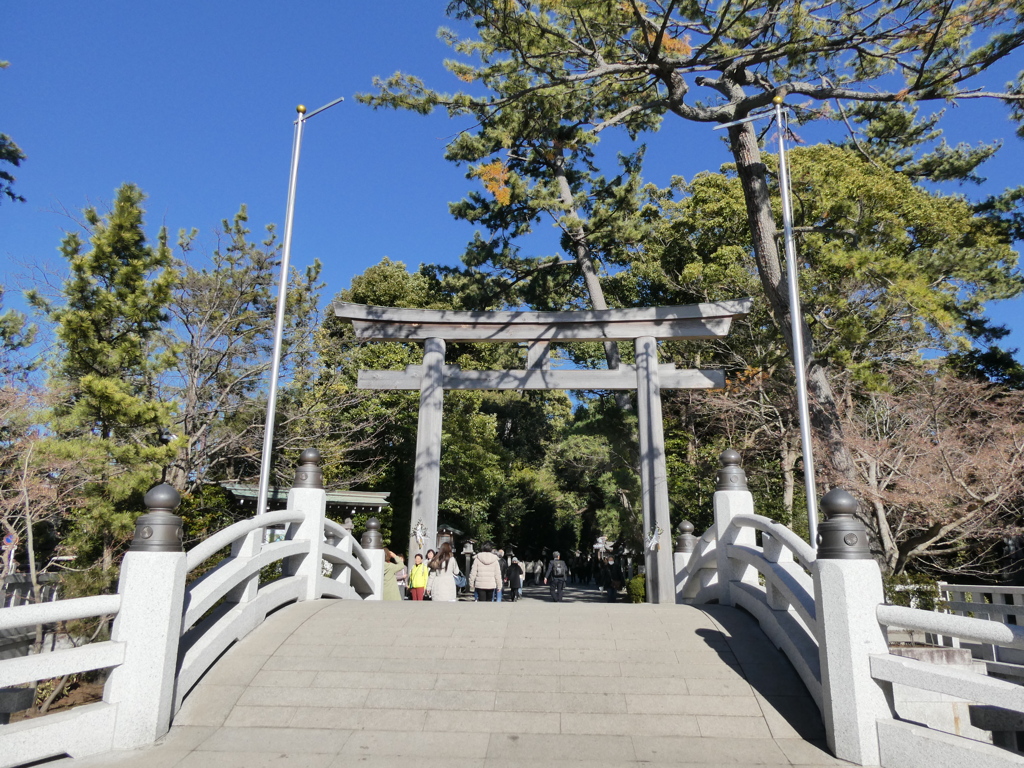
x=644 y=327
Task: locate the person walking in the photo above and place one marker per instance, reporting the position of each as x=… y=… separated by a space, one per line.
x=611 y=578
x=443 y=569
x=515 y=580
x=418 y=578
x=555 y=576
x=485 y=575
x=503 y=564
x=428 y=561
x=538 y=571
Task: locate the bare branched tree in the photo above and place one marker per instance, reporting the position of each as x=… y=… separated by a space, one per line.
x=940 y=463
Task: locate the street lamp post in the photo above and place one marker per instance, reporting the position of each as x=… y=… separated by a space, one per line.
x=795 y=315
x=282 y=293
x=796 y=323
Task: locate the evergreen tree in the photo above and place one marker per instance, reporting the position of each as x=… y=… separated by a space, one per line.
x=889 y=271
x=718 y=63
x=114 y=303
x=16 y=333
x=11 y=154
x=222 y=328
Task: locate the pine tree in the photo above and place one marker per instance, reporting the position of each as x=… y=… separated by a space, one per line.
x=719 y=62
x=222 y=328
x=11 y=154
x=114 y=302
x=16 y=333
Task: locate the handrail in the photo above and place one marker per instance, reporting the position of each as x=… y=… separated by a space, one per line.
x=965 y=627
x=339 y=530
x=203 y=618
x=67 y=661
x=952 y=681
x=204 y=550
x=59 y=610
x=229 y=574
x=706 y=560
x=795 y=593
x=803 y=551
x=945 y=586
x=344 y=533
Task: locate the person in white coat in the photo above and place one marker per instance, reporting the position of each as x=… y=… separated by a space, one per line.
x=485 y=575
x=441 y=582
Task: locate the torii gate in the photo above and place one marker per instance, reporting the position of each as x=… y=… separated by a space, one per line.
x=645 y=327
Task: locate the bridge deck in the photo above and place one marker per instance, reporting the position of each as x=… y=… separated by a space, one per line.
x=338 y=683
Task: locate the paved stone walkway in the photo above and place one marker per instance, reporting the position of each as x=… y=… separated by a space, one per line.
x=329 y=684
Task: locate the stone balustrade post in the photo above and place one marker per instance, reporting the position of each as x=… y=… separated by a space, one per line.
x=342 y=573
x=152 y=589
x=732 y=497
x=307 y=495
x=847 y=592
x=373 y=545
x=776 y=552
x=686 y=545
x=248 y=546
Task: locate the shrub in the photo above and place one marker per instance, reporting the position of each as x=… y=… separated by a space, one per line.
x=912 y=590
x=636 y=588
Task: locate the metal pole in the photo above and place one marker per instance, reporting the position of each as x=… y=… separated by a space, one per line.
x=282 y=294
x=795 y=319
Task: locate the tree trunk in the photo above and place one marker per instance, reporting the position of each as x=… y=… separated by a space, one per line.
x=107 y=559
x=590 y=279
x=822 y=402
x=790 y=454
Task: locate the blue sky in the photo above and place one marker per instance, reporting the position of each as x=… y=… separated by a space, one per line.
x=195 y=102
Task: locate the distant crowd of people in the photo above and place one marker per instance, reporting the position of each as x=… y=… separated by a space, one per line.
x=437 y=576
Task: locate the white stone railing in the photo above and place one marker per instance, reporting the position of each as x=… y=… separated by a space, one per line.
x=899 y=742
x=28 y=669
x=167 y=633
x=825 y=610
x=784 y=605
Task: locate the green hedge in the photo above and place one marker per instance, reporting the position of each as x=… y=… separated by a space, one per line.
x=636 y=588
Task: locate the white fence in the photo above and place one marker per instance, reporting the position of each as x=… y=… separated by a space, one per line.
x=825 y=610
x=167 y=633
x=1004 y=605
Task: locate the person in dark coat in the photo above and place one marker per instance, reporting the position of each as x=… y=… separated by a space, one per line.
x=611 y=578
x=515 y=579
x=503 y=564
x=555 y=576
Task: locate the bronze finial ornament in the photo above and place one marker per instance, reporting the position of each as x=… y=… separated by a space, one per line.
x=371 y=538
x=308 y=474
x=159 y=530
x=841 y=536
x=731 y=476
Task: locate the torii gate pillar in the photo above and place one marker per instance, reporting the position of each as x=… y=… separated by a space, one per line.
x=643 y=326
x=653 y=475
x=427 y=485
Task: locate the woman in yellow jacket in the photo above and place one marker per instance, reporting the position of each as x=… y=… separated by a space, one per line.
x=418 y=577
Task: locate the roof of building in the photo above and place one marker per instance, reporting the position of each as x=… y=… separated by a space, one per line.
x=244 y=492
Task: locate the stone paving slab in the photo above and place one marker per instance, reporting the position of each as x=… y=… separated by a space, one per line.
x=334 y=684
